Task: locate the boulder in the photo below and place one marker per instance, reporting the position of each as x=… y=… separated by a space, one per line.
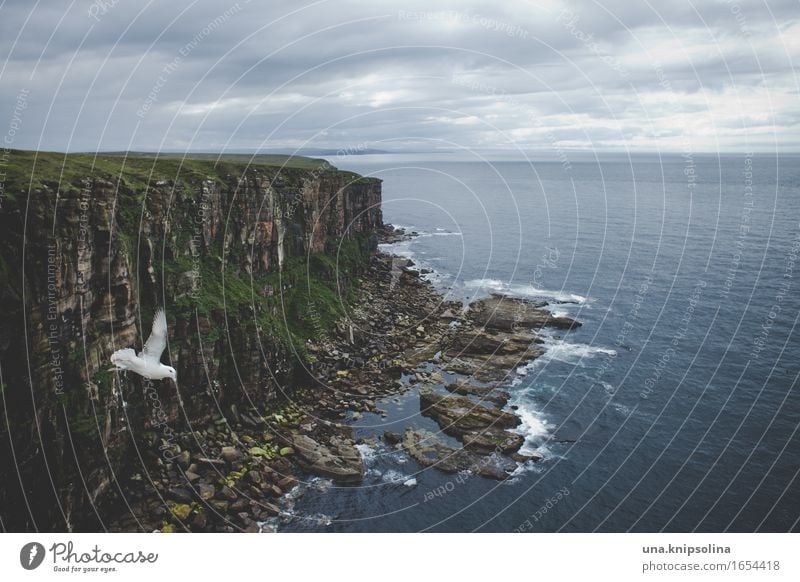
x=287 y=482
x=199 y=521
x=205 y=490
x=226 y=494
x=392 y=438
x=231 y=454
x=448 y=315
x=183 y=460
x=209 y=461
x=191 y=477
x=181 y=510
x=269 y=508
x=339 y=460
x=220 y=506
x=180 y=495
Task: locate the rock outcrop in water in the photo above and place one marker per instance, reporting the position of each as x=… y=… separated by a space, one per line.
x=497 y=334
x=428 y=450
x=501 y=313
x=481 y=428
x=248 y=260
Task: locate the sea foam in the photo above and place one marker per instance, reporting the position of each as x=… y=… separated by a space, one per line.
x=522 y=290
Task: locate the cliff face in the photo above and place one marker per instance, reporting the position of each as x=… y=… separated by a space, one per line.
x=250 y=262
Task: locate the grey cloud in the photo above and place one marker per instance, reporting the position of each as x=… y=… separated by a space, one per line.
x=383 y=70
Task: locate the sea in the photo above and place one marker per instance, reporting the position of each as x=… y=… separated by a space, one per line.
x=675 y=406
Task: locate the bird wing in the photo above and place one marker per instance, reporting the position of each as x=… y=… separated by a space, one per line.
x=157 y=341
x=123 y=358
x=127 y=359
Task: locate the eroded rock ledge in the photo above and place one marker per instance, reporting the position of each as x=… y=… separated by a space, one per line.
x=428 y=450
x=482 y=429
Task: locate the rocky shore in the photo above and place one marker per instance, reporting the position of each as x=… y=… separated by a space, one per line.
x=238 y=472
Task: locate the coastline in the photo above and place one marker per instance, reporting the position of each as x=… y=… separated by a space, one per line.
x=401 y=337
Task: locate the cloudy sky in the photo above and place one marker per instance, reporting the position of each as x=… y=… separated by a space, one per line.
x=699 y=75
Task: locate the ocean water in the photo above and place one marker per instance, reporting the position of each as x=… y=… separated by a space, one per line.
x=674 y=408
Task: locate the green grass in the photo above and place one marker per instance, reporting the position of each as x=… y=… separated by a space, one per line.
x=30 y=169
x=310 y=294
x=276 y=160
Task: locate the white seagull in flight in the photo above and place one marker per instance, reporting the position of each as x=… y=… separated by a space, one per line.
x=148 y=362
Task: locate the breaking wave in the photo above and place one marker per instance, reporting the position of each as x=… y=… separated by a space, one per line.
x=523 y=291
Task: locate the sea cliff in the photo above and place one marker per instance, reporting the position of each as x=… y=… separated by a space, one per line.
x=250 y=257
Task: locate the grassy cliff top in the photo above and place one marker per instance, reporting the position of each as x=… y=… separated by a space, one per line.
x=273 y=160
x=22 y=170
